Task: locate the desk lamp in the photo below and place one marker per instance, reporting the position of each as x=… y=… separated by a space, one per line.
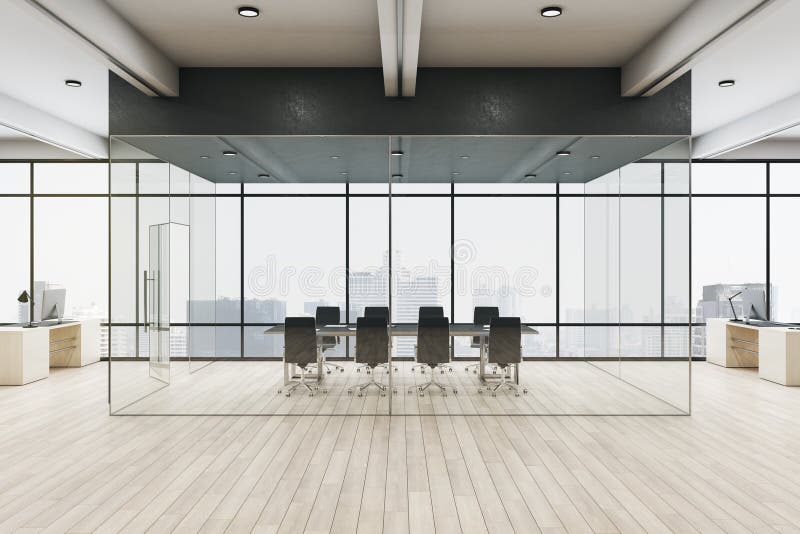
x=730 y=301
x=25 y=298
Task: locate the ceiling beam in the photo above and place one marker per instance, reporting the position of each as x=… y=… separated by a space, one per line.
x=705 y=25
x=44 y=127
x=399 y=23
x=387 y=26
x=412 y=26
x=111 y=39
x=749 y=129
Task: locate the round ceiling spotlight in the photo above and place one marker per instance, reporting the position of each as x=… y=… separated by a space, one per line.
x=203 y=157
x=344 y=173
x=396 y=176
x=228 y=152
x=263 y=176
x=566 y=173
x=727 y=83
x=336 y=156
x=530 y=176
x=72 y=83
x=248 y=11
x=232 y=173
x=563 y=153
x=551 y=11
x=595 y=157
x=464 y=156
x=455 y=173
x=397 y=152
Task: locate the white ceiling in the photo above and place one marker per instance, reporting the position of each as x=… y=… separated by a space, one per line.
x=513 y=33
x=36 y=59
x=7 y=134
x=296 y=33
x=762 y=58
x=345 y=32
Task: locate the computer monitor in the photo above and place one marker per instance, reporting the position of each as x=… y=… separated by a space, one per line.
x=754 y=304
x=53 y=304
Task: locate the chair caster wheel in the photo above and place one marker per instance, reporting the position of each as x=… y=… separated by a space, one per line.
x=324 y=391
x=444 y=394
x=494 y=394
x=383 y=393
x=480 y=392
x=450 y=370
x=341 y=370
x=455 y=392
x=279 y=392
x=421 y=394
x=525 y=391
x=288 y=395
x=360 y=394
x=328 y=371
x=358 y=370
x=475 y=372
x=516 y=394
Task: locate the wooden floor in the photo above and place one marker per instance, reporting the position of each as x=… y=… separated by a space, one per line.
x=733 y=466
x=554 y=387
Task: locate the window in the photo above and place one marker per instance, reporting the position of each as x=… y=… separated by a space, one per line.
x=369 y=254
x=15 y=267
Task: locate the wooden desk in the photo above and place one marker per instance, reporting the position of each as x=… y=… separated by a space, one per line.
x=774 y=350
x=26 y=354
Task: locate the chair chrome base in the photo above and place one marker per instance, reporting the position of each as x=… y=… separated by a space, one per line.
x=432 y=382
x=328 y=365
x=504 y=383
x=312 y=389
x=360 y=388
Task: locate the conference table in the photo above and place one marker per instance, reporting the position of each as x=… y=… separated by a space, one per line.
x=399 y=330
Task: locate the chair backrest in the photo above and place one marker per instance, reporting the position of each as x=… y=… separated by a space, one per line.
x=372 y=340
x=377 y=311
x=327 y=315
x=483 y=315
x=300 y=341
x=430 y=311
x=433 y=340
x=505 y=335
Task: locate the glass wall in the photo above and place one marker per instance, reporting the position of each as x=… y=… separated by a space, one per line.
x=596 y=266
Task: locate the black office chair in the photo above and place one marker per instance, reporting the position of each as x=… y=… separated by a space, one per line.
x=377 y=311
x=430 y=311
x=329 y=315
x=505 y=350
x=381 y=312
x=481 y=315
x=433 y=349
x=427 y=312
x=300 y=348
x=372 y=350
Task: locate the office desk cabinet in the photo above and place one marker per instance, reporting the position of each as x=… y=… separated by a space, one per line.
x=774 y=350
x=26 y=354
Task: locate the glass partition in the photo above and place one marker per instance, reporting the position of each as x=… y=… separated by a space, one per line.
x=584 y=239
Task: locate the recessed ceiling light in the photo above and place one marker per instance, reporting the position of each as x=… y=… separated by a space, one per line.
x=563 y=153
x=263 y=176
x=335 y=156
x=72 y=83
x=397 y=152
x=232 y=173
x=455 y=173
x=595 y=157
x=344 y=173
x=551 y=11
x=203 y=157
x=228 y=153
x=727 y=83
x=396 y=176
x=248 y=11
x=529 y=176
x=566 y=173
x=464 y=156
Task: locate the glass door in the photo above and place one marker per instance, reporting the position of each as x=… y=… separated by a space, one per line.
x=157 y=294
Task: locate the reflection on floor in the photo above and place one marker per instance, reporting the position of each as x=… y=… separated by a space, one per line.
x=250 y=387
